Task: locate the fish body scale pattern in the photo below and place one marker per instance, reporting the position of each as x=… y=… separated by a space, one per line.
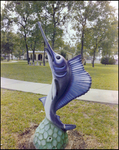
x=49 y=136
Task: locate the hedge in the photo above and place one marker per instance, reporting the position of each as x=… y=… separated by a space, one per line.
x=2 y=58
x=108 y=60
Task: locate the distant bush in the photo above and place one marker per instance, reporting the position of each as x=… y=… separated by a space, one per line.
x=112 y=61
x=63 y=54
x=2 y=58
x=108 y=60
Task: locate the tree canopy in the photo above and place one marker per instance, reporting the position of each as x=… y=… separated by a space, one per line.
x=94 y=22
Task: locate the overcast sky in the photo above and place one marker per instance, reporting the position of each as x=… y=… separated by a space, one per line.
x=113 y=3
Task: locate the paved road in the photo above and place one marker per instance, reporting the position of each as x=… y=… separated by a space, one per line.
x=94 y=95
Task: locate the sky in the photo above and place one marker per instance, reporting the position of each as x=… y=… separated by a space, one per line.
x=71 y=32
x=113 y=3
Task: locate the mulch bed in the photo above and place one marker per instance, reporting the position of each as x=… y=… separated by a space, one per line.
x=76 y=140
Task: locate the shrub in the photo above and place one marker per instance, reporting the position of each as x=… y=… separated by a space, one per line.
x=2 y=58
x=108 y=60
x=112 y=61
x=63 y=54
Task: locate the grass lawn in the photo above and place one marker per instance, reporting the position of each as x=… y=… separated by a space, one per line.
x=98 y=122
x=22 y=71
x=103 y=76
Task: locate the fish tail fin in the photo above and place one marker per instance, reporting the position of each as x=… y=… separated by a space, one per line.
x=59 y=123
x=69 y=126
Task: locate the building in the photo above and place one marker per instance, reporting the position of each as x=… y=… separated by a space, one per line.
x=116 y=59
x=69 y=55
x=39 y=55
x=8 y=56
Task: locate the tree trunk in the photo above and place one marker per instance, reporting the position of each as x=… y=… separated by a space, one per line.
x=44 y=43
x=8 y=58
x=33 y=51
x=44 y=56
x=11 y=56
x=94 y=54
x=27 y=49
x=33 y=56
x=27 y=54
x=82 y=41
x=93 y=58
x=54 y=30
x=53 y=38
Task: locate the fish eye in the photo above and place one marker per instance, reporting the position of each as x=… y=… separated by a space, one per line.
x=58 y=57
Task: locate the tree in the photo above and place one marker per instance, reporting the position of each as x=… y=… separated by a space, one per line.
x=26 y=14
x=109 y=45
x=102 y=33
x=41 y=16
x=24 y=17
x=83 y=12
x=19 y=46
x=7 y=43
x=92 y=24
x=34 y=41
x=45 y=15
x=6 y=34
x=57 y=18
x=52 y=17
x=63 y=53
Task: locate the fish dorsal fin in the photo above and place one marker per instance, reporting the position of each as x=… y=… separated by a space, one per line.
x=80 y=82
x=43 y=99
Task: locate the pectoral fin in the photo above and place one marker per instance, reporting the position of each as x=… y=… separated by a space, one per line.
x=43 y=99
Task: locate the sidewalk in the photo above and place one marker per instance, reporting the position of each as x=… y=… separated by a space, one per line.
x=94 y=95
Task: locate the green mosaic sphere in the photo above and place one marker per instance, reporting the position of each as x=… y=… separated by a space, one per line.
x=49 y=136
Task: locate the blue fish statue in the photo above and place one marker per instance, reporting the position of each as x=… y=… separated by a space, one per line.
x=70 y=80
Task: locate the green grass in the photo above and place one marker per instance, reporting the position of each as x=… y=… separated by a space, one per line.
x=103 y=76
x=18 y=111
x=98 y=122
x=22 y=71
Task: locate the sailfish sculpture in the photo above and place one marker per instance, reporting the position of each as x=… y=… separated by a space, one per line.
x=70 y=80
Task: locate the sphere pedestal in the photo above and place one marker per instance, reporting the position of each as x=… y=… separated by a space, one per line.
x=49 y=136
